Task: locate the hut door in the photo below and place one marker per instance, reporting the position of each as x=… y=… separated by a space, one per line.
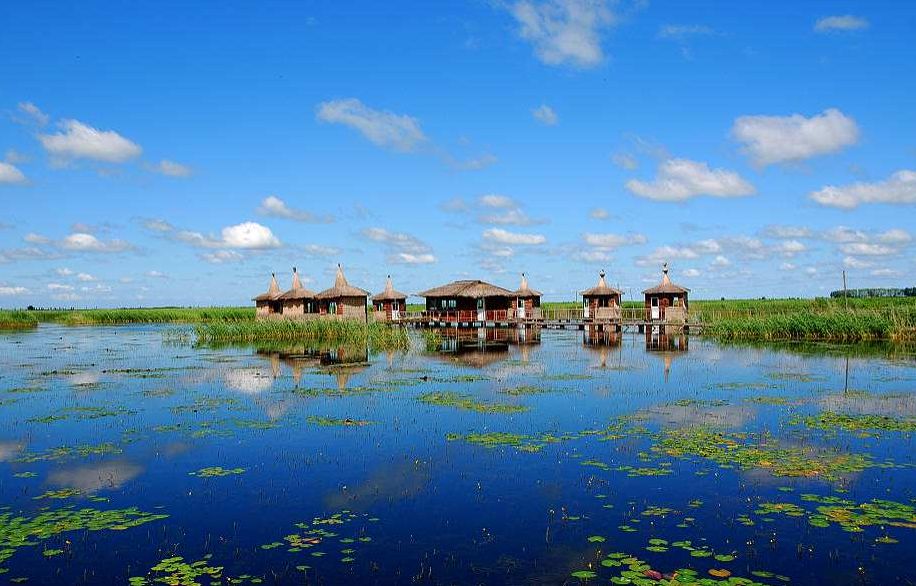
x=481 y=310
x=655 y=312
x=521 y=308
x=585 y=309
x=396 y=310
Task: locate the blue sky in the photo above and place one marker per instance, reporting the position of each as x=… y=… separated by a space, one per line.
x=178 y=153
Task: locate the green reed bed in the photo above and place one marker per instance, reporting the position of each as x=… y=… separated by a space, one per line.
x=17 y=320
x=81 y=317
x=377 y=336
x=839 y=325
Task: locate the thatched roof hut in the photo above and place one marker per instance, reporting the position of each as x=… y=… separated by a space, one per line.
x=666 y=301
x=666 y=286
x=343 y=300
x=268 y=303
x=524 y=291
x=602 y=289
x=468 y=300
x=389 y=294
x=273 y=291
x=297 y=291
x=341 y=288
x=469 y=289
x=601 y=302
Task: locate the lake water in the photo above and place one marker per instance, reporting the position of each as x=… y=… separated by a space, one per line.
x=506 y=459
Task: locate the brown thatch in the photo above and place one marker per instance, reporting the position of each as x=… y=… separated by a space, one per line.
x=297 y=291
x=389 y=294
x=341 y=288
x=273 y=291
x=523 y=291
x=601 y=288
x=666 y=286
x=474 y=289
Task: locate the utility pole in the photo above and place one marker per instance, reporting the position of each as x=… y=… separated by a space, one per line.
x=845 y=299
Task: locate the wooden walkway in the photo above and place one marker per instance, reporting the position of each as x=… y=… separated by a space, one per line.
x=556 y=319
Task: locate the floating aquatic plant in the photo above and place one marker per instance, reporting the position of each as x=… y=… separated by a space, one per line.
x=216 y=471
x=468 y=402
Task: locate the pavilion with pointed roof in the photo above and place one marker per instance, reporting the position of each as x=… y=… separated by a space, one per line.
x=343 y=300
x=527 y=301
x=601 y=303
x=268 y=304
x=666 y=302
x=389 y=303
x=468 y=300
x=298 y=302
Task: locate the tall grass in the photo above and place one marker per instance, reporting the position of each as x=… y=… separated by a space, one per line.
x=846 y=326
x=17 y=320
x=79 y=317
x=377 y=336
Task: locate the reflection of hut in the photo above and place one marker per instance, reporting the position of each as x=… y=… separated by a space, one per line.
x=268 y=304
x=667 y=346
x=389 y=303
x=343 y=301
x=527 y=301
x=298 y=302
x=666 y=301
x=468 y=301
x=601 y=303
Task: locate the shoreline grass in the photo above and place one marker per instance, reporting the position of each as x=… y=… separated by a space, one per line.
x=377 y=336
x=20 y=319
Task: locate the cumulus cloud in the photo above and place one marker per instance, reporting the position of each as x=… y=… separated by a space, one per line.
x=846 y=22
x=899 y=188
x=785 y=139
x=599 y=214
x=691 y=273
x=500 y=236
x=545 y=115
x=868 y=249
x=275 y=207
x=779 y=231
x=247 y=235
x=679 y=32
x=10 y=174
x=402 y=248
x=85 y=277
x=221 y=256
x=492 y=209
x=85 y=242
x=564 y=32
x=81 y=141
x=681 y=179
x=33 y=112
x=380 y=127
x=613 y=241
x=171 y=169
x=10 y=291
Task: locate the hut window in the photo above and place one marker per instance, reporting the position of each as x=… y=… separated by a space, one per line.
x=332 y=307
x=396 y=306
x=443 y=303
x=452 y=303
x=677 y=301
x=380 y=307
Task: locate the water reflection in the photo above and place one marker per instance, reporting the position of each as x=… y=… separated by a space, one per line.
x=482 y=347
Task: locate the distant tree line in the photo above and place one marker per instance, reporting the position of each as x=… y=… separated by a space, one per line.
x=876 y=292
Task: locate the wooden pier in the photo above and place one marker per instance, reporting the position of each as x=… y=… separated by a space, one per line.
x=624 y=320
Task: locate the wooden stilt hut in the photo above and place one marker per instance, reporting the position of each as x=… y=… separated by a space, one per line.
x=601 y=303
x=389 y=303
x=527 y=305
x=268 y=304
x=666 y=302
x=343 y=301
x=299 y=302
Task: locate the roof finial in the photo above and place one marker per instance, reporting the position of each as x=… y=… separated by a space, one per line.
x=665 y=268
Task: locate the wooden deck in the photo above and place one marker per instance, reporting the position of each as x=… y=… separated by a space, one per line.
x=573 y=319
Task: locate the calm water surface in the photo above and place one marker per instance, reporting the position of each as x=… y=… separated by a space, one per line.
x=539 y=459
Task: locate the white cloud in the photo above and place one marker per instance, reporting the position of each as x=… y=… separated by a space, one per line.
x=545 y=115
x=157 y=225
x=501 y=236
x=221 y=256
x=679 y=32
x=564 y=32
x=899 y=188
x=321 y=250
x=844 y=234
x=625 y=161
x=785 y=139
x=691 y=273
x=85 y=277
x=895 y=236
x=415 y=259
x=6 y=290
x=275 y=207
x=787 y=266
x=612 y=241
x=867 y=249
x=599 y=214
x=34 y=112
x=80 y=141
x=249 y=235
x=496 y=201
x=59 y=287
x=846 y=22
x=886 y=273
x=63 y=272
x=156 y=275
x=720 y=262
x=778 y=231
x=10 y=174
x=171 y=168
x=681 y=179
x=790 y=248
x=381 y=127
x=851 y=262
x=85 y=242
x=473 y=164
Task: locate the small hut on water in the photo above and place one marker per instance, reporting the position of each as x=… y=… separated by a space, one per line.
x=389 y=303
x=343 y=301
x=298 y=302
x=666 y=302
x=601 y=303
x=527 y=301
x=268 y=304
x=468 y=301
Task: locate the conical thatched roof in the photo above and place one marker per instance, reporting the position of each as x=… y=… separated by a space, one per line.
x=297 y=291
x=341 y=288
x=389 y=294
x=666 y=286
x=273 y=291
x=601 y=288
x=524 y=291
x=474 y=289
